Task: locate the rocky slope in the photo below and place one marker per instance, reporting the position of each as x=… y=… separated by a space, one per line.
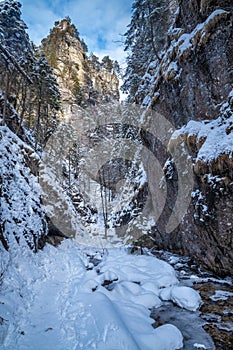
x=82 y=79
x=22 y=218
x=193 y=81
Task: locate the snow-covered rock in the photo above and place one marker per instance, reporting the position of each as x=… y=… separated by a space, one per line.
x=168 y=337
x=21 y=213
x=186 y=297
x=139 y=268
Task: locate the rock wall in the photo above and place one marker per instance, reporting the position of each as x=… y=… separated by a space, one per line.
x=193 y=82
x=205 y=232
x=81 y=80
x=195 y=74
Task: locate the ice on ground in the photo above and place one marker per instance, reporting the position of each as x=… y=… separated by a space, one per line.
x=52 y=301
x=221 y=295
x=199 y=346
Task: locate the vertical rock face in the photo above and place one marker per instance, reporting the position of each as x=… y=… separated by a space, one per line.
x=193 y=84
x=195 y=75
x=206 y=231
x=81 y=80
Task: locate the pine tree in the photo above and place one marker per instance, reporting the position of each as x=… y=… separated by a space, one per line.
x=107 y=63
x=45 y=102
x=26 y=78
x=16 y=55
x=14 y=32
x=84 y=46
x=145 y=39
x=94 y=62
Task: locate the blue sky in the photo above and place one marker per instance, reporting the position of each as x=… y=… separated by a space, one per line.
x=101 y=23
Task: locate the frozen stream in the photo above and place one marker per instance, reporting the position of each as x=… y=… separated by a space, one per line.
x=71 y=298
x=216 y=310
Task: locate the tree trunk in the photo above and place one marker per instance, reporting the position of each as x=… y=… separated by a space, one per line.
x=5 y=97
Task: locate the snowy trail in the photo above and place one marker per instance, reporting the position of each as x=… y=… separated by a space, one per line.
x=57 y=300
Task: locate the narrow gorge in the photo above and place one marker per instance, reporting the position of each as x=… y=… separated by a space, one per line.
x=190 y=87
x=118 y=207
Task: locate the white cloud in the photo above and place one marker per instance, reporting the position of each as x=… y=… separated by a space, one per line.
x=101 y=23
x=39 y=18
x=105 y=19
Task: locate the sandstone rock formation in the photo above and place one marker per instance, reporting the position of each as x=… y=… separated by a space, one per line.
x=82 y=79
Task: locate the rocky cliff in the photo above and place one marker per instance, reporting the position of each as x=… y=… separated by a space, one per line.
x=195 y=72
x=83 y=80
x=193 y=82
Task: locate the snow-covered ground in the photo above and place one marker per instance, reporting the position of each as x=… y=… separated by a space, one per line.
x=71 y=297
